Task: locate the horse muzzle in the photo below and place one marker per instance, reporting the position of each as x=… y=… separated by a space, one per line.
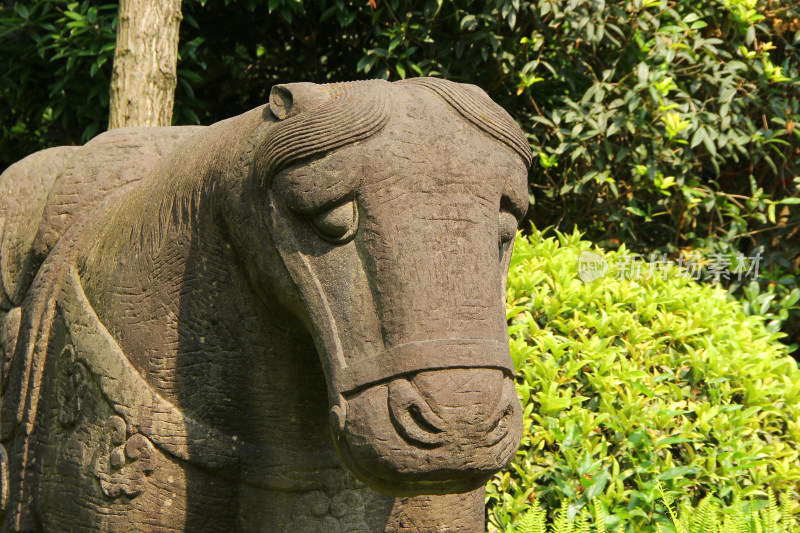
x=444 y=428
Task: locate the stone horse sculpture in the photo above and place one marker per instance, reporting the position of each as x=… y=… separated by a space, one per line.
x=291 y=320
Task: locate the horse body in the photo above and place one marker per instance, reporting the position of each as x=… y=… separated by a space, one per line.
x=246 y=319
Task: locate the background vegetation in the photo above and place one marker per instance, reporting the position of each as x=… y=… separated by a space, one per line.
x=631 y=381
x=709 y=516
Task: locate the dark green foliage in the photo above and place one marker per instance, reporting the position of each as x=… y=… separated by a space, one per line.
x=55 y=69
x=628 y=381
x=55 y=66
x=236 y=64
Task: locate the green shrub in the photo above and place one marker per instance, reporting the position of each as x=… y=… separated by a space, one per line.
x=710 y=516
x=55 y=71
x=626 y=383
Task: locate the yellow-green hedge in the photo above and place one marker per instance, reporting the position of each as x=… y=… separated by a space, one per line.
x=630 y=380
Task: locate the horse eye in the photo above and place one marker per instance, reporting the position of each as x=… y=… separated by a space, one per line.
x=507 y=230
x=338 y=224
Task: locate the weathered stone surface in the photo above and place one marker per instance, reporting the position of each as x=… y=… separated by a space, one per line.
x=291 y=320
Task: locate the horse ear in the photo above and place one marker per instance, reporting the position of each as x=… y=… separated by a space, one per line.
x=290 y=99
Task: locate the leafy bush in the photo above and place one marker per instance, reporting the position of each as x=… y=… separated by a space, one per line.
x=55 y=71
x=710 y=516
x=626 y=383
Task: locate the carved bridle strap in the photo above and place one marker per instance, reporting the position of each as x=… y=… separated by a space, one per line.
x=409 y=358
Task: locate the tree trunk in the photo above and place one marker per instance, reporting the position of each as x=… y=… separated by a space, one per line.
x=145 y=63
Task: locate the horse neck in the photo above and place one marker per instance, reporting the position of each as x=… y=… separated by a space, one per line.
x=166 y=281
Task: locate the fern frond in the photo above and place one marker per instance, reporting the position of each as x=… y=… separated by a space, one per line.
x=707 y=516
x=771 y=514
x=739 y=520
x=786 y=513
x=756 y=519
x=599 y=516
x=533 y=521
x=679 y=525
x=562 y=523
x=728 y=525
x=582 y=524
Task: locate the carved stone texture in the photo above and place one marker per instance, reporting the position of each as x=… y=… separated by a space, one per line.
x=317 y=512
x=292 y=320
x=71 y=388
x=122 y=462
x=9 y=330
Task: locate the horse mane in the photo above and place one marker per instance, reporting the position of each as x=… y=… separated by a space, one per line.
x=169 y=198
x=475 y=105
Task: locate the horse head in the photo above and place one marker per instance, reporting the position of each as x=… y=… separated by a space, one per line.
x=384 y=216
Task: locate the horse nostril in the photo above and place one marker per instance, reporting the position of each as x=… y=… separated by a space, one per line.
x=501 y=426
x=419 y=417
x=413 y=417
x=417 y=423
x=502 y=410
